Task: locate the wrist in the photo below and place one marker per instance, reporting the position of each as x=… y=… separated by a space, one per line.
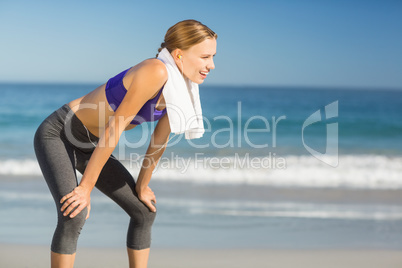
x=87 y=188
x=138 y=189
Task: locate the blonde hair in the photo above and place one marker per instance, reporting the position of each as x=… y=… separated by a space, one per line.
x=186 y=34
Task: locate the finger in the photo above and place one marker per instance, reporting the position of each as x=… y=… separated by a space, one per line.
x=71 y=208
x=77 y=210
x=151 y=207
x=68 y=202
x=67 y=196
x=89 y=210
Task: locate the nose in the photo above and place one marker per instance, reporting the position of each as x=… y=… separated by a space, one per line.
x=211 y=64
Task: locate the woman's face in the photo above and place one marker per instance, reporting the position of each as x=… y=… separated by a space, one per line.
x=197 y=61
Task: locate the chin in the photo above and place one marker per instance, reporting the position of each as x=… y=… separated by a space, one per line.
x=197 y=81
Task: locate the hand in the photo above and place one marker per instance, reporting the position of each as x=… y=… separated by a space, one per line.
x=79 y=198
x=146 y=196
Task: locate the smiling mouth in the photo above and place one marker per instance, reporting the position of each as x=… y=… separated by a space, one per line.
x=204 y=74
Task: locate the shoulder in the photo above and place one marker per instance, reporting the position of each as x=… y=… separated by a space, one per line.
x=154 y=68
x=147 y=76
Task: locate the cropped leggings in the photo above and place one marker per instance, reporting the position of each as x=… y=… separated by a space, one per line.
x=62 y=146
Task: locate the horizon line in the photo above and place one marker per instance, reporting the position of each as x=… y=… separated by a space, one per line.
x=284 y=86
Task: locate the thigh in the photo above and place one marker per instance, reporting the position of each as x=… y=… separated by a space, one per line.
x=57 y=162
x=116 y=182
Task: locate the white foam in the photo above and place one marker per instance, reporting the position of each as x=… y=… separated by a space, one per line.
x=321 y=214
x=18 y=167
x=353 y=171
x=288 y=209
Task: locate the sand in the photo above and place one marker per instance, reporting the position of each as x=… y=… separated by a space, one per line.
x=38 y=256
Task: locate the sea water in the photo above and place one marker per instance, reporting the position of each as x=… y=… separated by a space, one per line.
x=224 y=189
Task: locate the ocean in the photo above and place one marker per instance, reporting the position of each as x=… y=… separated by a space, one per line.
x=276 y=168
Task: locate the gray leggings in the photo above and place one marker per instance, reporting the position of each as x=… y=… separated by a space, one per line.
x=62 y=145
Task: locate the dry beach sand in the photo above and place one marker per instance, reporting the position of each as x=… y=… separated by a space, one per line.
x=38 y=257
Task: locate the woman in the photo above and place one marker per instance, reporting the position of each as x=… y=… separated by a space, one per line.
x=83 y=134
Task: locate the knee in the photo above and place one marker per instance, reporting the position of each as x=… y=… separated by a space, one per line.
x=67 y=232
x=73 y=225
x=149 y=217
x=139 y=231
x=143 y=216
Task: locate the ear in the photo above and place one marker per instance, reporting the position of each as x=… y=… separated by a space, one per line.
x=176 y=53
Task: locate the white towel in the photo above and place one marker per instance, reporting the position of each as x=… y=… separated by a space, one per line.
x=182 y=101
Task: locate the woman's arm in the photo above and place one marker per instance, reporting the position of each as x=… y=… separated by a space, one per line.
x=159 y=140
x=147 y=79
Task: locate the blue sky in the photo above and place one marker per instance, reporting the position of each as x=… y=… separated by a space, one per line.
x=335 y=43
